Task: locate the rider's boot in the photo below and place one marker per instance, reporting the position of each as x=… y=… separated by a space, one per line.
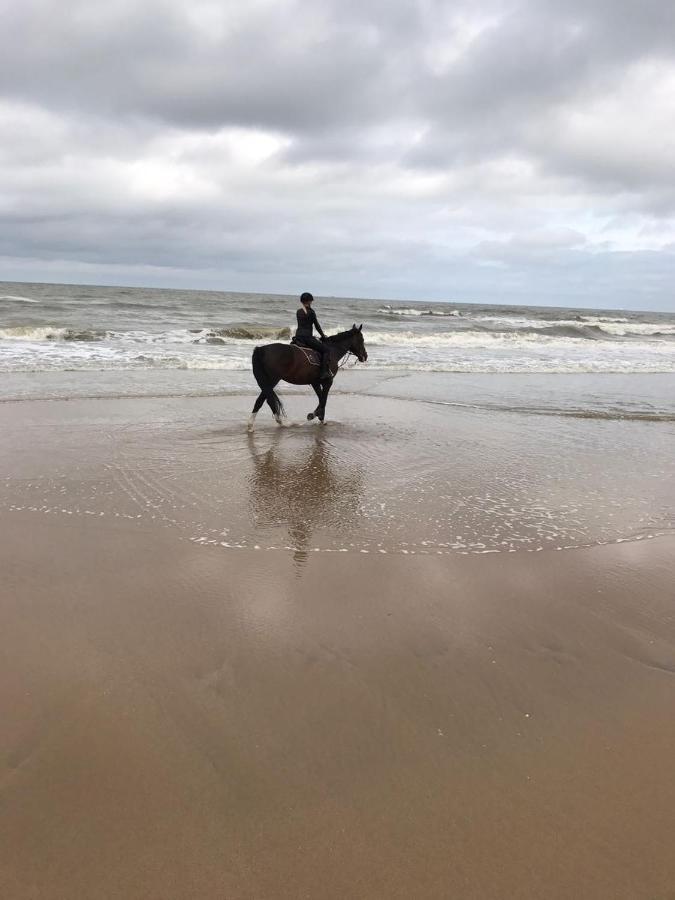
x=325 y=372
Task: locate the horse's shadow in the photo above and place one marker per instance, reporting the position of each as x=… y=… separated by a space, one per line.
x=302 y=487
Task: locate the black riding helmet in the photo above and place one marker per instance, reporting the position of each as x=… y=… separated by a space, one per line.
x=306 y=298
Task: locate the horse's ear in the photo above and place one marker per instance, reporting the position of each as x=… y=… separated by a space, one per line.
x=361 y=327
x=354 y=327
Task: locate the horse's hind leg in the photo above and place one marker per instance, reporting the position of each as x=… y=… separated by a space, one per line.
x=266 y=382
x=256 y=409
x=279 y=415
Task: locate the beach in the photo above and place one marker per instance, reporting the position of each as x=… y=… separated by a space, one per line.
x=425 y=650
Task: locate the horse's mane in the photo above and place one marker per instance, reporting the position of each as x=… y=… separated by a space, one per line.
x=334 y=338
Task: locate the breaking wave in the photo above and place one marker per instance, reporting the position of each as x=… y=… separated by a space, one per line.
x=248 y=333
x=49 y=333
x=178 y=336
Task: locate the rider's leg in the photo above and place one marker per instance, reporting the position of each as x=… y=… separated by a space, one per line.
x=325 y=370
x=316 y=344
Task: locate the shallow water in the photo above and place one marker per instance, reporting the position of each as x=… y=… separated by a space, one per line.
x=384 y=476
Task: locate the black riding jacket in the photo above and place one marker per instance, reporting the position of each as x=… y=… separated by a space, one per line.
x=307 y=321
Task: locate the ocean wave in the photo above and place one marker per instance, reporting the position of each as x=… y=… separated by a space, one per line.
x=52 y=343
x=637 y=328
x=580 y=332
x=137 y=363
x=35 y=333
x=602 y=319
x=49 y=333
x=12 y=298
x=233 y=333
x=586 y=325
x=413 y=312
x=565 y=332
x=248 y=333
x=562 y=336
x=30 y=333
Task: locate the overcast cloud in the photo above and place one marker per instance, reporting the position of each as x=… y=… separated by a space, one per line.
x=493 y=151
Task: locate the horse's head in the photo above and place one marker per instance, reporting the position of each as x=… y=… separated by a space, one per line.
x=356 y=346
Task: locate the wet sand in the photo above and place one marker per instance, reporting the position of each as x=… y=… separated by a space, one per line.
x=191 y=719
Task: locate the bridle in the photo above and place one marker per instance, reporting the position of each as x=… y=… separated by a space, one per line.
x=342 y=363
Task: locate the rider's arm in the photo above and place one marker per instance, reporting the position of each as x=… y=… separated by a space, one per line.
x=316 y=324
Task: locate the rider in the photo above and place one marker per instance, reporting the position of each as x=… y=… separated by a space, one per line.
x=304 y=336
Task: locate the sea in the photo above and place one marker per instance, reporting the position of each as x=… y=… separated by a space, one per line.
x=78 y=340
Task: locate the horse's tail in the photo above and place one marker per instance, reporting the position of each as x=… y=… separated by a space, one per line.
x=265 y=383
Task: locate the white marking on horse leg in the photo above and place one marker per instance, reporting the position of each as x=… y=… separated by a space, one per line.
x=279 y=420
x=251 y=421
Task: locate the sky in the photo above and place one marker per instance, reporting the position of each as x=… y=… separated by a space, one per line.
x=488 y=151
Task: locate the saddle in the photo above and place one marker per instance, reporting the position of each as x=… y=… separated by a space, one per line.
x=313 y=357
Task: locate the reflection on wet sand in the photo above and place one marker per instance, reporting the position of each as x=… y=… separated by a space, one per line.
x=302 y=486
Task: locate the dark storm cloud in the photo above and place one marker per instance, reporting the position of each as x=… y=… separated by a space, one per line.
x=280 y=65
x=296 y=66
x=388 y=141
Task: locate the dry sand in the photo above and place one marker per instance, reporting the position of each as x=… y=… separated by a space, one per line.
x=188 y=721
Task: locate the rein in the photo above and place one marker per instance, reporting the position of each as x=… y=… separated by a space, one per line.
x=343 y=362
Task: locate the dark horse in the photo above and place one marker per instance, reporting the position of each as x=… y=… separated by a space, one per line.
x=299 y=365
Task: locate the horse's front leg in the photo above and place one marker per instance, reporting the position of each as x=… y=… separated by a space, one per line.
x=325 y=388
x=317 y=388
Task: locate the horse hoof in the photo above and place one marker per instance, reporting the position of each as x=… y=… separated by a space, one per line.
x=310 y=416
